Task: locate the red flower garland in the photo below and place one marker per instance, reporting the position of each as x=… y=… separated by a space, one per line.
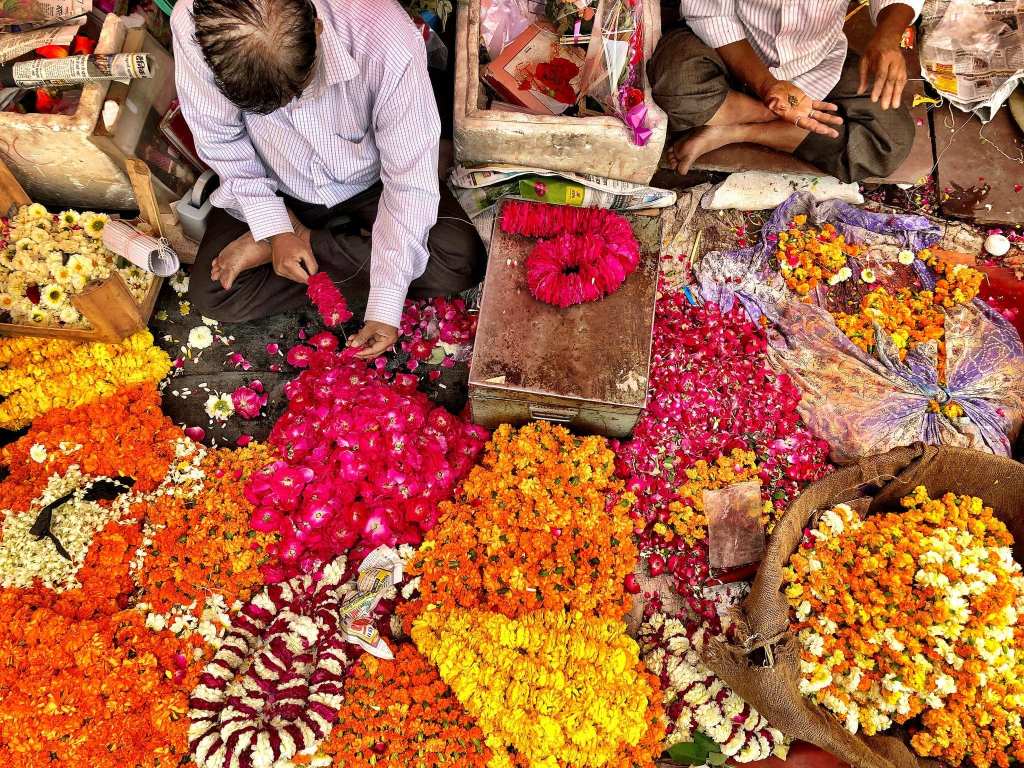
x=328 y=300
x=584 y=254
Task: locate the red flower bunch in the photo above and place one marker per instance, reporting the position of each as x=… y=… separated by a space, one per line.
x=328 y=300
x=435 y=331
x=584 y=254
x=554 y=79
x=362 y=463
x=712 y=392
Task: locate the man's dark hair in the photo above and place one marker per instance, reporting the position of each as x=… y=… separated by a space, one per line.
x=261 y=52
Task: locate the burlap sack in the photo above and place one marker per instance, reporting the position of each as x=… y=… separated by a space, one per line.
x=763 y=667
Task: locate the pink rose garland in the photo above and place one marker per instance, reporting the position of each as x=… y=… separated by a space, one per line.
x=583 y=254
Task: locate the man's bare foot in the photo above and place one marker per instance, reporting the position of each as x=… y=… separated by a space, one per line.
x=697 y=142
x=245 y=253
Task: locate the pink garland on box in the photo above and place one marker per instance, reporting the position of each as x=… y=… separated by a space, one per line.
x=583 y=254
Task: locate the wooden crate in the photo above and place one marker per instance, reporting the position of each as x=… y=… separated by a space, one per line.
x=599 y=145
x=52 y=155
x=108 y=305
x=585 y=366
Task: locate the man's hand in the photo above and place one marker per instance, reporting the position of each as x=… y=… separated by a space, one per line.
x=794 y=106
x=292 y=257
x=375 y=338
x=882 y=61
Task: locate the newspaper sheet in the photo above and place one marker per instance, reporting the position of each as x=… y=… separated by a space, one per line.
x=26 y=15
x=16 y=44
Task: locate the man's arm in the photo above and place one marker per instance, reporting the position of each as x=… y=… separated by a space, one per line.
x=407 y=130
x=718 y=25
x=883 y=59
x=222 y=143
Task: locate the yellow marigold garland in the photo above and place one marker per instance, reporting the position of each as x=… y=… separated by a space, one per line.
x=37 y=375
x=916 y=615
x=558 y=688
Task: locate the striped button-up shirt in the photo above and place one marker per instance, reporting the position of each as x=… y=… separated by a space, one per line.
x=799 y=40
x=368 y=115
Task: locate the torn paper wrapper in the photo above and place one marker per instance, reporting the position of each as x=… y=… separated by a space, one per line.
x=379 y=573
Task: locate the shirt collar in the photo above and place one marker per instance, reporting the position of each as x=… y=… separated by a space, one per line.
x=335 y=64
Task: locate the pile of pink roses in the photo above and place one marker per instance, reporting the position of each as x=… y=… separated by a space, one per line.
x=712 y=392
x=363 y=462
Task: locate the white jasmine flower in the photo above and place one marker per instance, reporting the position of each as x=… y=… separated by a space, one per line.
x=38 y=453
x=200 y=337
x=219 y=407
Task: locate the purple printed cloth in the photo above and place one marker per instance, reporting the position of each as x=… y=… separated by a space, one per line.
x=864 y=404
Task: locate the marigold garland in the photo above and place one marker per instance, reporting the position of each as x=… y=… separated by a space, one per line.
x=95 y=692
x=124 y=434
x=38 y=375
x=916 y=618
x=199 y=539
x=540 y=524
x=400 y=714
x=550 y=689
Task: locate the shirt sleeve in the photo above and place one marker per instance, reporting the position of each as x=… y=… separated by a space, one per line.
x=877 y=6
x=714 y=21
x=407 y=131
x=221 y=139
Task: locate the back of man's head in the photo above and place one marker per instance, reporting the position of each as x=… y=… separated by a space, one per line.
x=261 y=52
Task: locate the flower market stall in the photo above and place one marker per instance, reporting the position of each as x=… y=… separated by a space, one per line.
x=661 y=496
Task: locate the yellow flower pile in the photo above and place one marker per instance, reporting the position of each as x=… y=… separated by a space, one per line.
x=37 y=375
x=916 y=618
x=560 y=688
x=55 y=257
x=688 y=518
x=521 y=606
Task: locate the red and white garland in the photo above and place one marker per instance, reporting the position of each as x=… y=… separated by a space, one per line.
x=583 y=254
x=274 y=687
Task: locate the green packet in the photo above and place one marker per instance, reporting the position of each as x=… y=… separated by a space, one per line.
x=546 y=189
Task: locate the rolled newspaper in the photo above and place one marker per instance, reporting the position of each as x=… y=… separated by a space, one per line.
x=75 y=70
x=143 y=251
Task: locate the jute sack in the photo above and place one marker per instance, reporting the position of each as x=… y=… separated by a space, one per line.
x=762 y=665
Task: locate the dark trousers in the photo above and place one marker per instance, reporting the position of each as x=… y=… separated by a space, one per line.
x=457 y=259
x=690 y=81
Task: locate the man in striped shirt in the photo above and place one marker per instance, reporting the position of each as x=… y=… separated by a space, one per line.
x=319 y=118
x=778 y=73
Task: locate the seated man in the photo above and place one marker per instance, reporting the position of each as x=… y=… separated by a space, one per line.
x=319 y=119
x=778 y=73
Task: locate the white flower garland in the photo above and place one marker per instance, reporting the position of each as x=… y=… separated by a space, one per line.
x=696 y=700
x=274 y=687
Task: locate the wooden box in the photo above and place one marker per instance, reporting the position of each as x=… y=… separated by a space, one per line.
x=108 y=305
x=53 y=156
x=586 y=366
x=600 y=145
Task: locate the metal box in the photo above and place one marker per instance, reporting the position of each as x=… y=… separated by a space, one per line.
x=601 y=145
x=585 y=366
